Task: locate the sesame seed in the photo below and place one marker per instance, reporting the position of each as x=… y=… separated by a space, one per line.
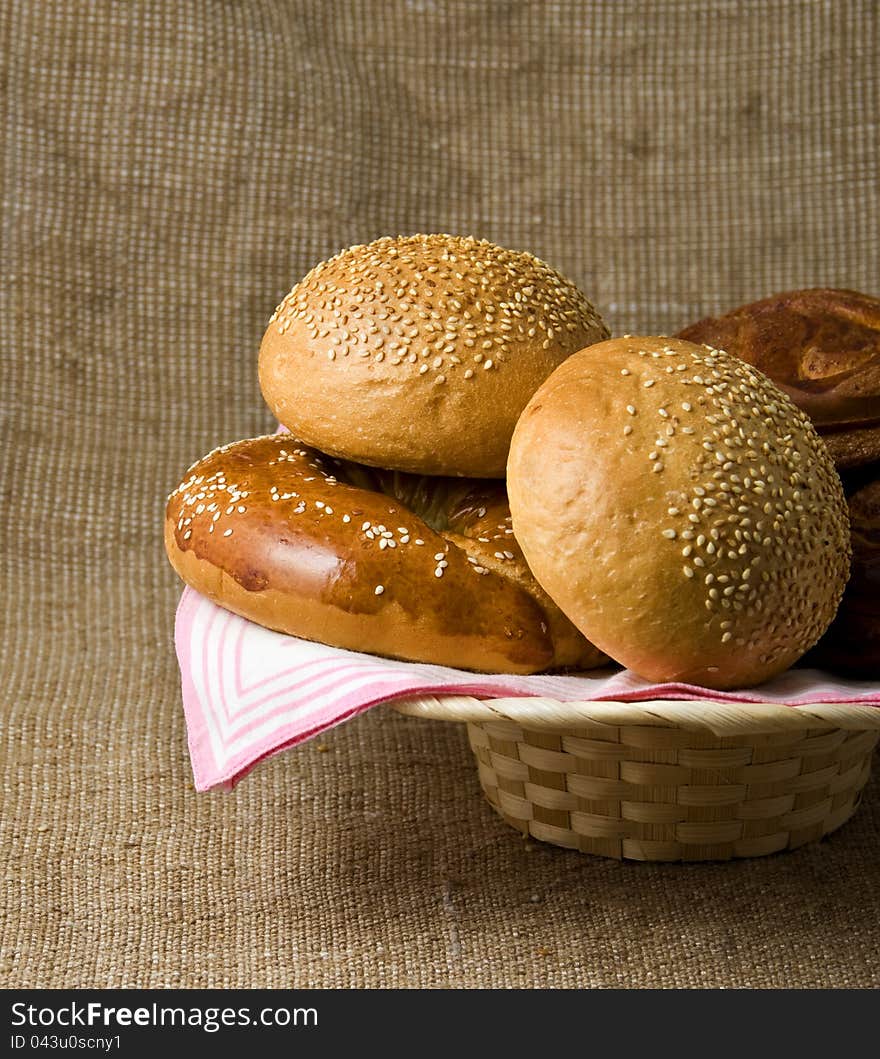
x=670 y=534
x=688 y=571
x=227 y=533
x=379 y=589
x=346 y=518
x=631 y=409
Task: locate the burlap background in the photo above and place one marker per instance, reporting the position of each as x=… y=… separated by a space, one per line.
x=170 y=169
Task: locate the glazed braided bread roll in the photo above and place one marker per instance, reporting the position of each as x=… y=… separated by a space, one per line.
x=422 y=569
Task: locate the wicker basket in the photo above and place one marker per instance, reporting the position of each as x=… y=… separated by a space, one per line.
x=666 y=780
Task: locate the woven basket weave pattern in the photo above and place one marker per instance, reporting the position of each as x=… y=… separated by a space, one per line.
x=657 y=793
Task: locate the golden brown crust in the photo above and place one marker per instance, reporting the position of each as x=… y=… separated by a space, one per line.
x=680 y=510
x=822 y=347
x=314 y=547
x=420 y=352
x=852 y=643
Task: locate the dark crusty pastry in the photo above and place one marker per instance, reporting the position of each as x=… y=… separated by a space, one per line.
x=822 y=347
x=852 y=643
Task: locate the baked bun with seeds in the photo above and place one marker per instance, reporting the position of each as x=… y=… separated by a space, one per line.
x=822 y=347
x=680 y=510
x=392 y=564
x=419 y=353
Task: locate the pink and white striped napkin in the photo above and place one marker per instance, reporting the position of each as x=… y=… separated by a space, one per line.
x=249 y=693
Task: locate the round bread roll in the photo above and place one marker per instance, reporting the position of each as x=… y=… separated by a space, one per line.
x=421 y=569
x=822 y=347
x=680 y=510
x=419 y=353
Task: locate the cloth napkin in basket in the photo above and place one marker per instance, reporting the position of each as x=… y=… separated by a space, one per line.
x=249 y=693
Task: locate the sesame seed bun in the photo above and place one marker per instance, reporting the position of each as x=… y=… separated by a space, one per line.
x=423 y=569
x=419 y=353
x=680 y=510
